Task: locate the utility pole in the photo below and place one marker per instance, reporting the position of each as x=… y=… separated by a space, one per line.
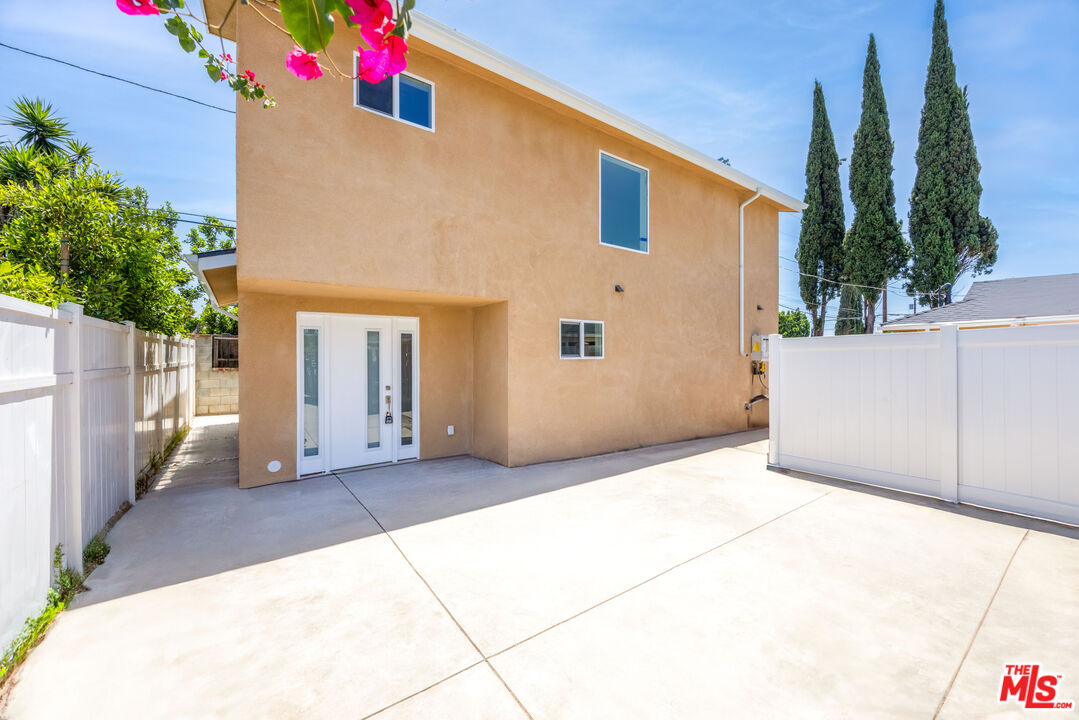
x=884 y=309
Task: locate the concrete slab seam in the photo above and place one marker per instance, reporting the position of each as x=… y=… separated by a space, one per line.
x=439 y=600
x=421 y=692
x=981 y=621
x=659 y=575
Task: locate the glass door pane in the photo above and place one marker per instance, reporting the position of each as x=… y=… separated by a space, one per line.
x=406 y=388
x=374 y=417
x=310 y=392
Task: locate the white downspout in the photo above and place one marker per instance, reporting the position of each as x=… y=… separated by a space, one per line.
x=742 y=272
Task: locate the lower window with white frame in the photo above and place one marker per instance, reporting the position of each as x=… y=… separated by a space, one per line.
x=580 y=339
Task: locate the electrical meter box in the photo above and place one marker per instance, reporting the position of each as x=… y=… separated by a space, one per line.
x=758 y=348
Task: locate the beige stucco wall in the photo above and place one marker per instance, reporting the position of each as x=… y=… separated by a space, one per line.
x=217 y=392
x=492 y=221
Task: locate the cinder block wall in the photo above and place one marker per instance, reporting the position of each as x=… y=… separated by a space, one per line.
x=217 y=392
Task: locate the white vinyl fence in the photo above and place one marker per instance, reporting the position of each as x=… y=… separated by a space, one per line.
x=85 y=406
x=988 y=416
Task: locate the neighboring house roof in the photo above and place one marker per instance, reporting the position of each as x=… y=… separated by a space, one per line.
x=987 y=301
x=221 y=15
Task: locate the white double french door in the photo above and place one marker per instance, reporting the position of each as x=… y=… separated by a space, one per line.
x=358 y=390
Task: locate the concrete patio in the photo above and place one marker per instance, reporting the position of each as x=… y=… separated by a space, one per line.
x=681 y=581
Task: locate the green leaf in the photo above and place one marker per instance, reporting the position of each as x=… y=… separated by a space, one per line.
x=309 y=22
x=343 y=9
x=214 y=72
x=187 y=43
x=176 y=26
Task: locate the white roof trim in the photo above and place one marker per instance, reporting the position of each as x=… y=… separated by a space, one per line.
x=213 y=262
x=453 y=42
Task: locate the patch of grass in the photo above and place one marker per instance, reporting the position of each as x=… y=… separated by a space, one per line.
x=66 y=582
x=144 y=481
x=94 y=554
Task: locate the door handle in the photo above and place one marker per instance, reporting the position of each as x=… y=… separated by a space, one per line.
x=389 y=416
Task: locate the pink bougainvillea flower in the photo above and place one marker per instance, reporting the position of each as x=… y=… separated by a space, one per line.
x=138 y=7
x=387 y=59
x=396 y=47
x=373 y=65
x=249 y=75
x=370 y=12
x=303 y=65
x=374 y=34
x=224 y=75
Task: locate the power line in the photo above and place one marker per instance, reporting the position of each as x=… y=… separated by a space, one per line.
x=202 y=224
x=838 y=282
x=204 y=216
x=120 y=79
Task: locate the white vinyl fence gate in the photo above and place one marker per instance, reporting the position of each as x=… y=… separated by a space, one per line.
x=987 y=417
x=85 y=406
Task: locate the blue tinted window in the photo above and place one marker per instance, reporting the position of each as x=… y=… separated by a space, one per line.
x=376 y=97
x=623 y=204
x=414 y=101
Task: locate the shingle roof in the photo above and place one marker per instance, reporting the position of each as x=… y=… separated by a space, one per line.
x=1027 y=297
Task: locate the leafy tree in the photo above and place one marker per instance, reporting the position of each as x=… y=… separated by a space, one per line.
x=793 y=323
x=124 y=255
x=851 y=311
x=211 y=235
x=820 y=244
x=30 y=282
x=948 y=233
x=877 y=251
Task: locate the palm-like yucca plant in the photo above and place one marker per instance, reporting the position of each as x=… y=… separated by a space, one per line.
x=78 y=153
x=18 y=164
x=42 y=130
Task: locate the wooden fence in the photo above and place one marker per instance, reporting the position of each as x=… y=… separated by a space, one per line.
x=85 y=407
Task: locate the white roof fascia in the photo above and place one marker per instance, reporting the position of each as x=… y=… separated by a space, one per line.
x=211 y=263
x=453 y=42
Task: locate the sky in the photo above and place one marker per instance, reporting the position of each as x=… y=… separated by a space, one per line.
x=731 y=79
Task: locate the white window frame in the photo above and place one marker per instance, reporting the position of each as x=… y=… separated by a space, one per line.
x=648 y=200
x=580 y=329
x=396 y=98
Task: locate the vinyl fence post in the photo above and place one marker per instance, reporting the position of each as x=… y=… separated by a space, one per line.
x=131 y=386
x=75 y=544
x=949 y=413
x=775 y=348
x=162 y=359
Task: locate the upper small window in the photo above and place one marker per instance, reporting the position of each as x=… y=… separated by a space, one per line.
x=403 y=97
x=623 y=204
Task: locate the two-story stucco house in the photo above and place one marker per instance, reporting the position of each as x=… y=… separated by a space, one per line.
x=471 y=258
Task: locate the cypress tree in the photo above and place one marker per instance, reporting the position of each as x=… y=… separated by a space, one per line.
x=820 y=244
x=948 y=233
x=849 y=319
x=877 y=251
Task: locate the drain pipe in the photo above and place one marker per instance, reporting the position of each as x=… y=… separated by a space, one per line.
x=742 y=272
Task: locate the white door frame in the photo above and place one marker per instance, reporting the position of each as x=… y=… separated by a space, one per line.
x=321 y=463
